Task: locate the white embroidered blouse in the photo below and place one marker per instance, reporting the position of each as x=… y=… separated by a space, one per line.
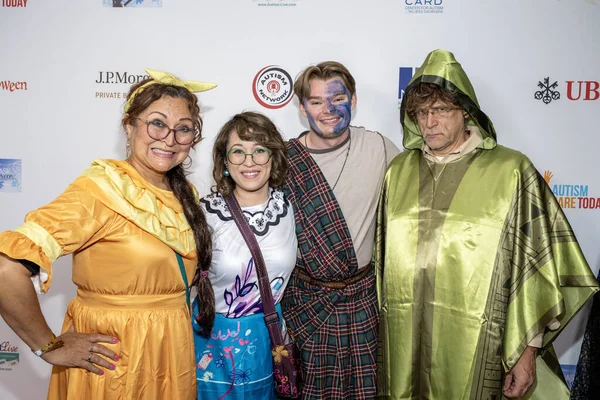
x=232 y=271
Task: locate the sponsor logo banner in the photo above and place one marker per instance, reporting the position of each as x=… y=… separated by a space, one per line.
x=276 y=3
x=123 y=78
x=273 y=87
x=572 y=195
x=550 y=90
x=9 y=356
x=569 y=373
x=10 y=86
x=14 y=3
x=131 y=3
x=405 y=74
x=10 y=175
x=424 y=6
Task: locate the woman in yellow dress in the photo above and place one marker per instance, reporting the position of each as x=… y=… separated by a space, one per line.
x=136 y=232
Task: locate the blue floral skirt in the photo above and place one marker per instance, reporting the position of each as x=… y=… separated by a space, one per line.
x=235 y=362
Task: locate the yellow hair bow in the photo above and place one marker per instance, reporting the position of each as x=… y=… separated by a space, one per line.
x=168 y=79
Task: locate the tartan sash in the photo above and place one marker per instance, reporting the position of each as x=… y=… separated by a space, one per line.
x=324 y=241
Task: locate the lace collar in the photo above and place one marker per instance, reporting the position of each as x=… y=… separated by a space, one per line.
x=260 y=217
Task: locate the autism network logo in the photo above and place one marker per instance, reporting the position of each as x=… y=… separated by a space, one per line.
x=273 y=87
x=424 y=6
x=404 y=76
x=132 y=3
x=9 y=356
x=575 y=90
x=572 y=196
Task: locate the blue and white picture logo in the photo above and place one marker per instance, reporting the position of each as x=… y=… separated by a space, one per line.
x=569 y=373
x=424 y=6
x=405 y=75
x=10 y=175
x=9 y=356
x=131 y=3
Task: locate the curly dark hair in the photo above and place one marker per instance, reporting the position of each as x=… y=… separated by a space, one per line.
x=182 y=189
x=252 y=127
x=425 y=94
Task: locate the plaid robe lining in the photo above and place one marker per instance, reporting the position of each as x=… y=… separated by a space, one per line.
x=335 y=329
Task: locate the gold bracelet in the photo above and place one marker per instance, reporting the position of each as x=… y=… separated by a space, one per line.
x=53 y=344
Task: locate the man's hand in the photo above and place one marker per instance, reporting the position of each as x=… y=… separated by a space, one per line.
x=522 y=375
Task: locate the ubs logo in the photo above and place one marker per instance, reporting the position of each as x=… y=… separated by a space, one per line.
x=575 y=90
x=547 y=91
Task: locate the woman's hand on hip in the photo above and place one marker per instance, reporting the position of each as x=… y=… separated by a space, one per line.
x=83 y=350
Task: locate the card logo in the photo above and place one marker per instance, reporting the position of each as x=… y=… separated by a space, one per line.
x=424 y=6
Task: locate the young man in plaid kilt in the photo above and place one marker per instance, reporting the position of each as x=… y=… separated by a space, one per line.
x=334 y=182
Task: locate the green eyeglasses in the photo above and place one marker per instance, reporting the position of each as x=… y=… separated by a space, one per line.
x=260 y=156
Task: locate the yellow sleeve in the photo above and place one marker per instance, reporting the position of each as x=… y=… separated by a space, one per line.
x=61 y=227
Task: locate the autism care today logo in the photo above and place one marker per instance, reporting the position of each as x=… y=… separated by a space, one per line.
x=572 y=196
x=14 y=3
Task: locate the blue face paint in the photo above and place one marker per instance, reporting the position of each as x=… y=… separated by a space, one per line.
x=337 y=105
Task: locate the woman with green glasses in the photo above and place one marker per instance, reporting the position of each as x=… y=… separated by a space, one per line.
x=234 y=360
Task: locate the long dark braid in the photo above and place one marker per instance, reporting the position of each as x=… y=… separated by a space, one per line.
x=184 y=193
x=202 y=235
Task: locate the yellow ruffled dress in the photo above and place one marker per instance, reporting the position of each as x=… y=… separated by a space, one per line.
x=123 y=233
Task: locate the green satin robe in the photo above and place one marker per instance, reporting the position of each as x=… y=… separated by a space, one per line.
x=474 y=258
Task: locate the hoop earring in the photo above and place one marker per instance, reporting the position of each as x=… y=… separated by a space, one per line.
x=226 y=172
x=187 y=162
x=128 y=149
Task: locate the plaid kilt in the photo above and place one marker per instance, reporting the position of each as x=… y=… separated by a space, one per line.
x=335 y=329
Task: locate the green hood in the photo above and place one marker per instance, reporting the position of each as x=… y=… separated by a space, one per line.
x=441 y=68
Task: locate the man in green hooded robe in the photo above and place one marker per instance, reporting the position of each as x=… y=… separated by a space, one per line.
x=478 y=268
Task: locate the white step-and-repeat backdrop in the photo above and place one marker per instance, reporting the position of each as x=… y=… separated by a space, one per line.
x=66 y=65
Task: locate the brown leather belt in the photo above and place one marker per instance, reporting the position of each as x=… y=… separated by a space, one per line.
x=363 y=272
